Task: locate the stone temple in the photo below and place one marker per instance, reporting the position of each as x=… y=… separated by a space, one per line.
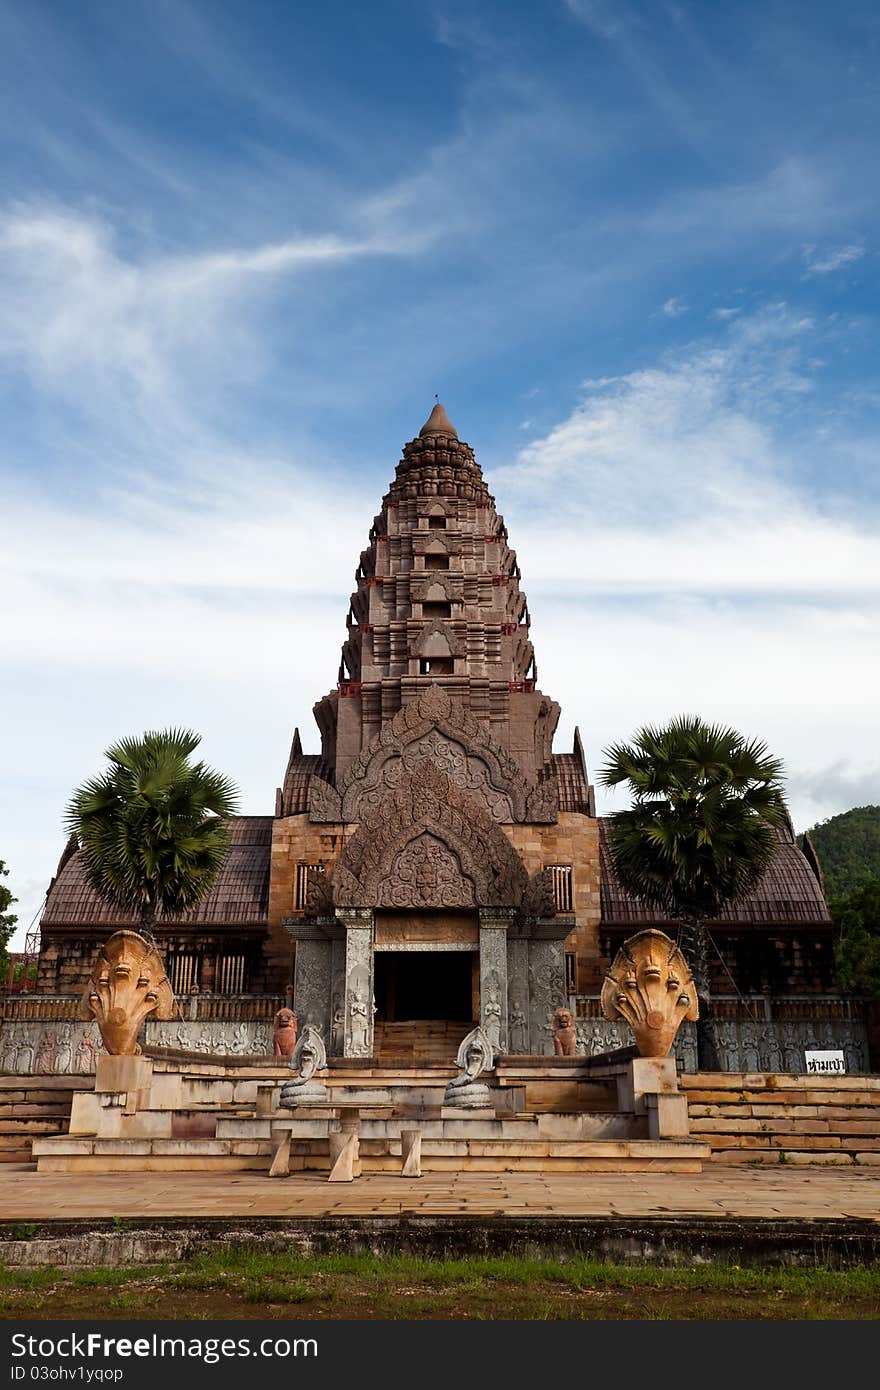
x=437 y=864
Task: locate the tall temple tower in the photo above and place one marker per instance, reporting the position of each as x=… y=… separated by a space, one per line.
x=434 y=860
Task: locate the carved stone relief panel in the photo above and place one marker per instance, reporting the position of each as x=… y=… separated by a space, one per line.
x=493 y=983
x=428 y=802
x=435 y=728
x=426 y=874
x=546 y=992
x=358 y=1040
x=518 y=994
x=213 y=1037
x=311 y=986
x=337 y=998
x=49 y=1048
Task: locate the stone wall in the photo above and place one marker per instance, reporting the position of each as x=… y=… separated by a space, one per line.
x=63 y=1048
x=67 y=1048
x=745 y=1046
x=574 y=840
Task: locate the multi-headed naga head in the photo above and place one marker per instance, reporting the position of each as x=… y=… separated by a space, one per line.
x=127 y=984
x=650 y=986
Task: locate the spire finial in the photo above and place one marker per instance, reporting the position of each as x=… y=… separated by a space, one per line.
x=438 y=422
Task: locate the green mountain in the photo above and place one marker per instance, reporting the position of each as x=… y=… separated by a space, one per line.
x=848 y=847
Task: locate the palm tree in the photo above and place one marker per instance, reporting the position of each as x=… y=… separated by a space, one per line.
x=699 y=833
x=152 y=828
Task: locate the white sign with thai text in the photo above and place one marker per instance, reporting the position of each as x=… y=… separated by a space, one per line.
x=826 y=1062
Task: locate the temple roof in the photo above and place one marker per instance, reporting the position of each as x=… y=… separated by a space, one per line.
x=240 y=896
x=438 y=422
x=789 y=893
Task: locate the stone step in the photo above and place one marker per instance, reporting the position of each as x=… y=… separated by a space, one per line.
x=775 y=1081
x=85 y=1154
x=21 y=1108
x=771 y=1112
x=46 y=1083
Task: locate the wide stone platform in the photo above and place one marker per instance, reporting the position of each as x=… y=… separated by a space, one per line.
x=176 y=1112
x=743 y=1216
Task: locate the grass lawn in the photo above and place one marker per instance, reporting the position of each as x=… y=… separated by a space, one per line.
x=244 y=1284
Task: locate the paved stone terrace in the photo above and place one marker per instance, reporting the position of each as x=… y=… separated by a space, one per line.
x=743 y=1193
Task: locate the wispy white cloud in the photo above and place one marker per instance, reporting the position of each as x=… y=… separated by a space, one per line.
x=675 y=307
x=825 y=263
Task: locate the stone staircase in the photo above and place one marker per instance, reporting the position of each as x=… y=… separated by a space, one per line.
x=770 y=1118
x=34 y=1107
x=420 y=1041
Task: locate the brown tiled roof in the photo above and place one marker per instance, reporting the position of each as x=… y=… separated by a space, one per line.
x=787 y=895
x=574 y=789
x=300 y=771
x=240 y=897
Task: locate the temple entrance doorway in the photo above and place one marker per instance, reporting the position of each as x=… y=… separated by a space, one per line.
x=426 y=1001
x=414 y=985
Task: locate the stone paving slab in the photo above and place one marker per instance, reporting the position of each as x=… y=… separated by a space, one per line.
x=817 y=1194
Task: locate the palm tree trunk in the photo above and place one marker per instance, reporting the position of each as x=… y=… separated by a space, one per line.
x=694 y=944
x=148 y=921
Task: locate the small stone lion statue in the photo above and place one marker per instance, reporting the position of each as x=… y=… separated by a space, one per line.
x=564 y=1034
x=284 y=1035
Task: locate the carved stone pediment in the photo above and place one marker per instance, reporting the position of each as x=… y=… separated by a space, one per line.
x=325 y=803
x=539 y=899
x=428 y=844
x=436 y=639
x=434 y=727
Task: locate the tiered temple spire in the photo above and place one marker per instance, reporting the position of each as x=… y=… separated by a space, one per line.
x=437 y=600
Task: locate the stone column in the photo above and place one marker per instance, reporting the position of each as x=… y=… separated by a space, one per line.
x=494 y=922
x=358 y=1035
x=546 y=981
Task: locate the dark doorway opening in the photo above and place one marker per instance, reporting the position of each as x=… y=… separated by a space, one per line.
x=416 y=985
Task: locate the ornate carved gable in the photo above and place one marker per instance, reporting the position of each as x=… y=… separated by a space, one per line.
x=434 y=728
x=436 y=639
x=428 y=845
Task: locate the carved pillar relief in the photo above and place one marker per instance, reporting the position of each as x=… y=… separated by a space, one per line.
x=518 y=995
x=337 y=999
x=311 y=983
x=546 y=990
x=494 y=923
x=358 y=1022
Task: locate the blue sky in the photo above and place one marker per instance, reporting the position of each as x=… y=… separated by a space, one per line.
x=633 y=247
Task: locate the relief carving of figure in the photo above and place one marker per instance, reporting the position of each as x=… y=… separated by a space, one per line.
x=65 y=1051
x=46 y=1050
x=492 y=1019
x=359 y=1027
x=24 y=1055
x=87 y=1052
x=517 y=1027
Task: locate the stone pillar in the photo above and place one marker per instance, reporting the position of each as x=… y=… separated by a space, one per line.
x=546 y=981
x=494 y=922
x=358 y=1034
x=312 y=974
